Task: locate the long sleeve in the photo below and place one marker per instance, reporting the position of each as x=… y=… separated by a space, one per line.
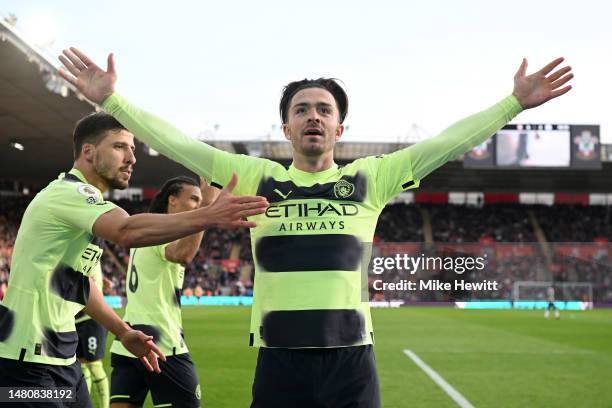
x=214 y=164
x=461 y=137
x=405 y=168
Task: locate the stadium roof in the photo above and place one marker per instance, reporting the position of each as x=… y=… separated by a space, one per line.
x=38 y=110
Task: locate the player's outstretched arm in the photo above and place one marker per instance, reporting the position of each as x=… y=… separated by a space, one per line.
x=138 y=343
x=228 y=211
x=529 y=91
x=185 y=249
x=98 y=86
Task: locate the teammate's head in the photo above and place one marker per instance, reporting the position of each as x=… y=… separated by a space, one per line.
x=105 y=145
x=176 y=195
x=313 y=113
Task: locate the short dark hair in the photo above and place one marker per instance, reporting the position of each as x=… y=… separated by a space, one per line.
x=172 y=187
x=92 y=129
x=329 y=84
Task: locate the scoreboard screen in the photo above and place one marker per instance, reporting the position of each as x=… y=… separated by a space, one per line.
x=533 y=146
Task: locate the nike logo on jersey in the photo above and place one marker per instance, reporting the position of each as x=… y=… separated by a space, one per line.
x=277 y=191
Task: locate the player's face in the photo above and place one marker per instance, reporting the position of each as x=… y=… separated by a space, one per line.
x=113 y=158
x=313 y=122
x=189 y=198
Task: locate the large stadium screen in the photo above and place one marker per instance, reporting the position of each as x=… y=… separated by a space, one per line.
x=533 y=146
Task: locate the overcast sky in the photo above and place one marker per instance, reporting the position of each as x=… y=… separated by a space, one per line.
x=206 y=63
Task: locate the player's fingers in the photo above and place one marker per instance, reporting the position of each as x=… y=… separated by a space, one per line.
x=259 y=200
x=67 y=77
x=86 y=60
x=561 y=81
x=69 y=66
x=154 y=362
x=110 y=63
x=560 y=92
x=156 y=350
x=550 y=66
x=522 y=68
x=558 y=74
x=75 y=60
x=244 y=224
x=250 y=213
x=232 y=184
x=146 y=363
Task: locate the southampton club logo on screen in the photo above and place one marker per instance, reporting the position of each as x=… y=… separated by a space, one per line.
x=586 y=144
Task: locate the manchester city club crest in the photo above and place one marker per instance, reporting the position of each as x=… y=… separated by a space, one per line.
x=343 y=189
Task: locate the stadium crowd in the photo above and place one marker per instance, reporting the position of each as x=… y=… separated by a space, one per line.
x=503 y=231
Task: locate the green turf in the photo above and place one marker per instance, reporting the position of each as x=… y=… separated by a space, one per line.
x=494 y=358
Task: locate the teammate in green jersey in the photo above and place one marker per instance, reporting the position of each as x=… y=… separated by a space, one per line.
x=154 y=282
x=49 y=281
x=313 y=328
x=92 y=336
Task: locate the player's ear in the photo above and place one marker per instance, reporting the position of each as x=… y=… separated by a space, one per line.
x=87 y=151
x=171 y=201
x=339 y=131
x=286 y=131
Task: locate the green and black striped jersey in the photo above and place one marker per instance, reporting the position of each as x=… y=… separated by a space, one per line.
x=309 y=245
x=153 y=285
x=49 y=279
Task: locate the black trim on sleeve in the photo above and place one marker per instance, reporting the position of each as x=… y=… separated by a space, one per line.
x=408 y=184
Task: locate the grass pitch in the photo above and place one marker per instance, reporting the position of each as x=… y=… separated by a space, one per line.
x=493 y=358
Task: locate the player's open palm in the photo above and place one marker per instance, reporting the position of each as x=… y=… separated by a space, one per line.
x=542 y=86
x=143 y=347
x=230 y=211
x=91 y=80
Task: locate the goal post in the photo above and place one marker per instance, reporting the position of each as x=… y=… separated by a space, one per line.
x=568 y=295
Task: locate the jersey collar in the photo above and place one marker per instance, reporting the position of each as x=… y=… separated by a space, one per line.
x=297 y=174
x=78 y=174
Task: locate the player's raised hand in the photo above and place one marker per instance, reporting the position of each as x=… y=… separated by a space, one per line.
x=91 y=80
x=143 y=347
x=209 y=193
x=542 y=86
x=230 y=211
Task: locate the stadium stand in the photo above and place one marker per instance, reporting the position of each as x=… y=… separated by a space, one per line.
x=579 y=247
x=524 y=240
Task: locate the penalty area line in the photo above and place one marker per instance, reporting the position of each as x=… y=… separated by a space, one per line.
x=437 y=378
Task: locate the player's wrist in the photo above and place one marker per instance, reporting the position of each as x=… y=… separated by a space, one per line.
x=121 y=331
x=206 y=218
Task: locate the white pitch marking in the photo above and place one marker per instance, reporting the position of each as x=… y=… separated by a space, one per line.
x=453 y=393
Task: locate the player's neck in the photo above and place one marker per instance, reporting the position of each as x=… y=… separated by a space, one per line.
x=91 y=177
x=313 y=164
